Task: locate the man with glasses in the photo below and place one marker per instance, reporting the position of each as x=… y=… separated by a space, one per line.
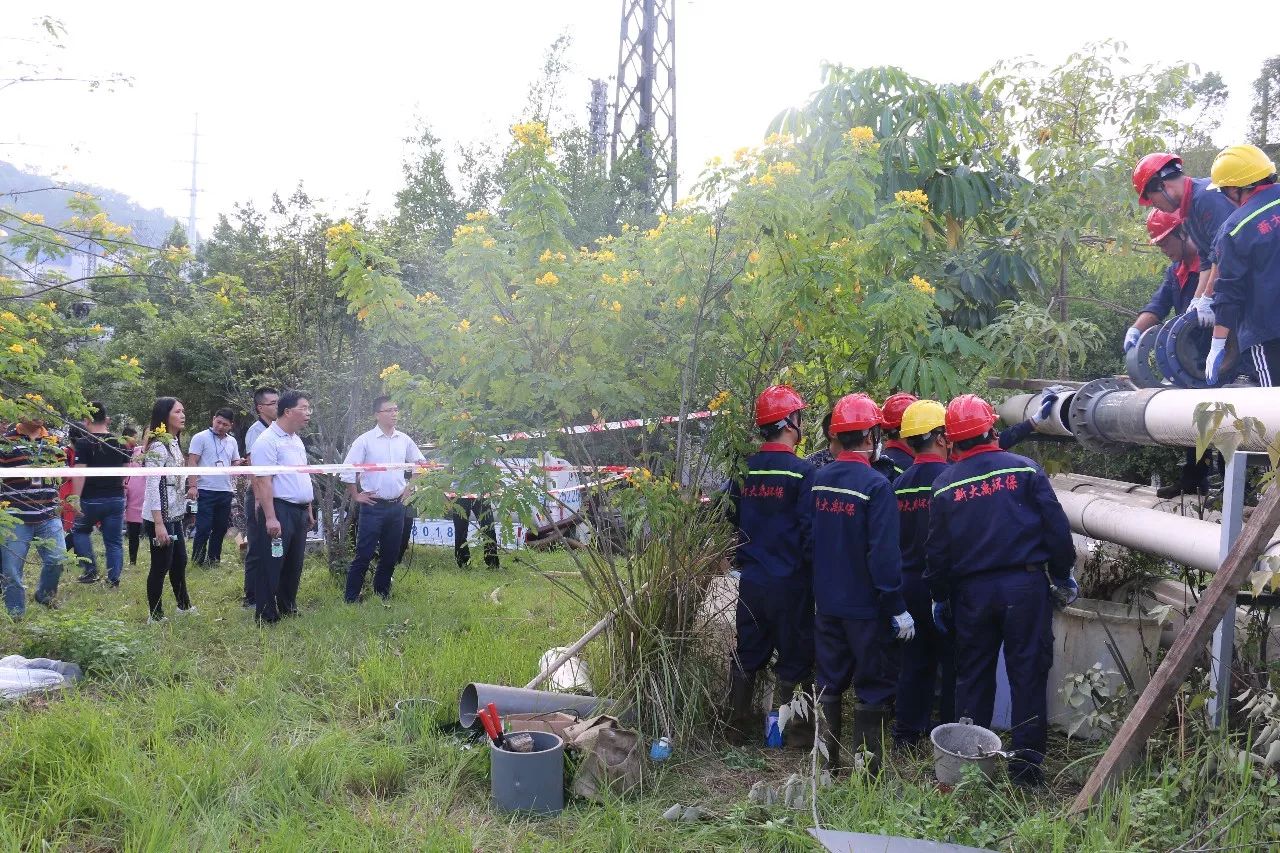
x=212 y=448
x=380 y=496
x=265 y=402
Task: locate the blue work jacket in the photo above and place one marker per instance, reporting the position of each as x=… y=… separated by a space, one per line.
x=1175 y=292
x=914 y=489
x=766 y=507
x=1246 y=294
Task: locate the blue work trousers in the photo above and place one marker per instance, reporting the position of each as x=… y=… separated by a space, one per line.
x=1010 y=607
x=857 y=653
x=776 y=617
x=213 y=518
x=378 y=529
x=110 y=512
x=51 y=542
x=928 y=657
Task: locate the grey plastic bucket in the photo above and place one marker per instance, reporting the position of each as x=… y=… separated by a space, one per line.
x=529 y=781
x=959 y=745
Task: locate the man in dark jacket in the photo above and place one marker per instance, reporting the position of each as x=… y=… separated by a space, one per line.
x=857 y=582
x=775 y=587
x=1246 y=298
x=895 y=455
x=999 y=551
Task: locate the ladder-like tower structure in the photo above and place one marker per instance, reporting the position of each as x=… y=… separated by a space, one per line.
x=644 y=115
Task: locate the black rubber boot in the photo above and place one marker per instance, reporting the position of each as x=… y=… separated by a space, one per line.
x=868 y=733
x=741 y=721
x=799 y=731
x=832 y=723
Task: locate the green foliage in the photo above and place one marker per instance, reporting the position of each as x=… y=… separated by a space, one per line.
x=100 y=646
x=1027 y=341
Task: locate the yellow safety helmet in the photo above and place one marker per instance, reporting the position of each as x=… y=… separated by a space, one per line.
x=922 y=417
x=1240 y=166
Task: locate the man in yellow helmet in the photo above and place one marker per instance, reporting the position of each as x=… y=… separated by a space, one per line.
x=1246 y=297
x=930 y=652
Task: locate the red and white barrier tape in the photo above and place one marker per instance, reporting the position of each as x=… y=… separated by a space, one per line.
x=608 y=426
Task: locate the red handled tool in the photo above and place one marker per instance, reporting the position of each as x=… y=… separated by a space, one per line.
x=490 y=728
x=497 y=722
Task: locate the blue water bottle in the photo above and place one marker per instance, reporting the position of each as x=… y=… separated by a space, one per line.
x=772 y=733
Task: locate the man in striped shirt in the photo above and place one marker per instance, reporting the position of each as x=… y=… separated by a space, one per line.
x=34 y=513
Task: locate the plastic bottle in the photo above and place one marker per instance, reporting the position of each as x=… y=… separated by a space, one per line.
x=772 y=733
x=661 y=749
x=277 y=547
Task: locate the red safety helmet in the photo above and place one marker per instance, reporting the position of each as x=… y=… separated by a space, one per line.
x=776 y=403
x=1151 y=166
x=1161 y=225
x=967 y=416
x=855 y=412
x=893 y=408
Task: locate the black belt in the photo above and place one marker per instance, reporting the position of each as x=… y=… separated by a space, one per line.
x=386 y=500
x=293 y=504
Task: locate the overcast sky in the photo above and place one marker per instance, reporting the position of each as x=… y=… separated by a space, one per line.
x=325 y=92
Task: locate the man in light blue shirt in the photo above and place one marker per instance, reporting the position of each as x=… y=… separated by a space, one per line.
x=380 y=496
x=214 y=447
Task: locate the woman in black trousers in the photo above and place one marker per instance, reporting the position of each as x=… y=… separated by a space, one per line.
x=164 y=506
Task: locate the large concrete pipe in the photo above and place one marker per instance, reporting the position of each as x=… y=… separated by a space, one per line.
x=1189 y=541
x=1109 y=413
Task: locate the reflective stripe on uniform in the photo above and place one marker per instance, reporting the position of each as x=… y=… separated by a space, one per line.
x=1243 y=222
x=913 y=490
x=795 y=474
x=985 y=476
x=841 y=491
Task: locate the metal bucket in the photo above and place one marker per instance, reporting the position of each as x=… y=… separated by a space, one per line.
x=959 y=745
x=529 y=781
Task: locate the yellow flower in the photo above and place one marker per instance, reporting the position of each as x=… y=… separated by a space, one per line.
x=547 y=279
x=426 y=298
x=388 y=370
x=606 y=255
x=464 y=326
x=608 y=279
x=718 y=401
x=753 y=257
x=629 y=276
x=766 y=179
x=489 y=243
x=860 y=135
x=478 y=216
x=133 y=362
x=9 y=317
x=783 y=139
x=335 y=233
x=32 y=218
x=531 y=134
x=160 y=430
x=498 y=319
x=921 y=285
x=362 y=314
x=681 y=301
x=616 y=307
x=16 y=348
x=96 y=328
x=915 y=197
x=124 y=358
x=741 y=154
x=462 y=359
x=784 y=167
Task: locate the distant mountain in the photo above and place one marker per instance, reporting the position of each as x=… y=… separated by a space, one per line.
x=150 y=226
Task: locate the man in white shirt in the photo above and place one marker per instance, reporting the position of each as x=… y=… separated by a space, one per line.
x=380 y=496
x=214 y=447
x=265 y=400
x=284 y=511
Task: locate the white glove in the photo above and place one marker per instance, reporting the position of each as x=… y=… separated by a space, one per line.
x=1213 y=362
x=1203 y=307
x=1131 y=338
x=904 y=627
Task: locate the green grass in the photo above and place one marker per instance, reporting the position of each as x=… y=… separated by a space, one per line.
x=215 y=734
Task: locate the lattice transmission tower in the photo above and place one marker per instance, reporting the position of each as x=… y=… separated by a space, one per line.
x=644 y=114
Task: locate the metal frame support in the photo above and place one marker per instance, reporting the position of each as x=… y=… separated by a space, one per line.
x=1224 y=636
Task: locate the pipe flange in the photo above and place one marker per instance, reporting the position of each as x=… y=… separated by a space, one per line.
x=1138 y=360
x=1082 y=408
x=1188 y=347
x=1161 y=352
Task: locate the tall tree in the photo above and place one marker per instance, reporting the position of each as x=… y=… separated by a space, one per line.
x=1264 y=114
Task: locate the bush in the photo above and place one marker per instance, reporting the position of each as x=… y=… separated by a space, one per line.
x=99 y=646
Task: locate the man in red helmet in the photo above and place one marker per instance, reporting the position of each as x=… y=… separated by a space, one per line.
x=775 y=586
x=1175 y=293
x=999 y=552
x=1159 y=182
x=895 y=455
x=857 y=581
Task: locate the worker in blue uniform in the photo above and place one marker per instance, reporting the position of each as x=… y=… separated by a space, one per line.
x=1246 y=298
x=999 y=552
x=930 y=656
x=857 y=582
x=895 y=454
x=775 y=587
x=1160 y=183
x=826 y=454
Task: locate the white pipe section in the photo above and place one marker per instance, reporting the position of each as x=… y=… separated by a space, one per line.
x=1189 y=541
x=1170 y=414
x=1021 y=407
